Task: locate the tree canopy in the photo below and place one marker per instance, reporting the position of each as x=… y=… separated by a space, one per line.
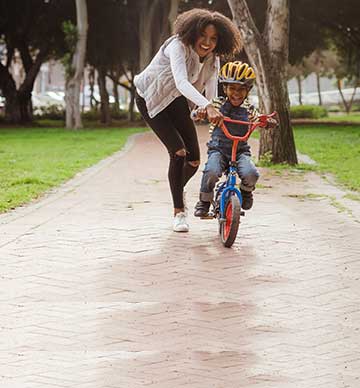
x=123 y=36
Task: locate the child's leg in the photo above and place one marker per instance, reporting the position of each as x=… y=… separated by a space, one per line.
x=214 y=167
x=249 y=175
x=213 y=170
x=247 y=171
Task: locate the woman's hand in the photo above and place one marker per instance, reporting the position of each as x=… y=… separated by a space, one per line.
x=200 y=114
x=214 y=116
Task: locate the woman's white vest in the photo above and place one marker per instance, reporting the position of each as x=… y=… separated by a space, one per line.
x=156 y=82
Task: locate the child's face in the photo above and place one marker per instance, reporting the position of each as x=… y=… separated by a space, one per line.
x=236 y=93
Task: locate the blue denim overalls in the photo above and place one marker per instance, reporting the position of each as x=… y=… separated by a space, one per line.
x=219 y=154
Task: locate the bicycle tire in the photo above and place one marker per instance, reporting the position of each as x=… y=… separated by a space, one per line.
x=229 y=228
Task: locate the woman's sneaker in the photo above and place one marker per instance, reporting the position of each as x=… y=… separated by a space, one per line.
x=180 y=223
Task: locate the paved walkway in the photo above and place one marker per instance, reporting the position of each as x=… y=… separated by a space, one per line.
x=97 y=291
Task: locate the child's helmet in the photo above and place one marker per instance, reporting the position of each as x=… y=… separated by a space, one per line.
x=237 y=73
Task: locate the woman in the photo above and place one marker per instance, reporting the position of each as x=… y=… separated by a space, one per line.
x=185 y=66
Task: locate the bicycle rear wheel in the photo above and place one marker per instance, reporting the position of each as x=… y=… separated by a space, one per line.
x=230 y=227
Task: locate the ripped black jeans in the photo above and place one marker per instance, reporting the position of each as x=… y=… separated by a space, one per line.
x=177 y=131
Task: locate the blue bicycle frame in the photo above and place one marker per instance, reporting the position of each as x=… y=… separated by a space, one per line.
x=227 y=188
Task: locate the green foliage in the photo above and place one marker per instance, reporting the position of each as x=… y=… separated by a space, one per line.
x=94 y=114
x=57 y=112
x=334 y=109
x=308 y=112
x=113 y=36
x=350 y=118
x=50 y=112
x=356 y=107
x=71 y=38
x=32 y=160
x=265 y=160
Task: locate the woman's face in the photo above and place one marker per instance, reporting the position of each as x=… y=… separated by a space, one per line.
x=207 y=41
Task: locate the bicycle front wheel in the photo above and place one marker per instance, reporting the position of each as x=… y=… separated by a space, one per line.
x=229 y=228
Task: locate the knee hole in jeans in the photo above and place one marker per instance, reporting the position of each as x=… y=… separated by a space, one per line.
x=181 y=152
x=194 y=163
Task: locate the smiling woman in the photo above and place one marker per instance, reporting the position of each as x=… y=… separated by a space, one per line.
x=206 y=42
x=184 y=69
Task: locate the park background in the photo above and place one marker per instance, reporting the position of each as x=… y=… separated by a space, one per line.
x=97 y=291
x=90 y=52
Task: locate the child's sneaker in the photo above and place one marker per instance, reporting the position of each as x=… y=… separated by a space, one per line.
x=180 y=223
x=202 y=209
x=247 y=197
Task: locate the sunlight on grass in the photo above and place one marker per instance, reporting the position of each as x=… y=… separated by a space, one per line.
x=335 y=149
x=33 y=160
x=353 y=117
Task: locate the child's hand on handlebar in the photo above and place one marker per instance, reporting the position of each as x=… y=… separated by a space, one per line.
x=271 y=123
x=267 y=122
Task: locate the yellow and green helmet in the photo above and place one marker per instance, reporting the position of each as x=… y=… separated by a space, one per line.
x=237 y=73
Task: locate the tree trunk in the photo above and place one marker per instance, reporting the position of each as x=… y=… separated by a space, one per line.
x=91 y=86
x=318 y=87
x=279 y=142
x=116 y=97
x=156 y=19
x=12 y=103
x=73 y=83
x=26 y=108
x=298 y=79
x=104 y=95
x=12 y=109
x=339 y=86
x=347 y=104
x=132 y=103
x=18 y=104
x=18 y=108
x=268 y=54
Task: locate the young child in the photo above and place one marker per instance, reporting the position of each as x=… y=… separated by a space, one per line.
x=237 y=78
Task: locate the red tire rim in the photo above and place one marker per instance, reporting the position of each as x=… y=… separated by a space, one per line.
x=228 y=217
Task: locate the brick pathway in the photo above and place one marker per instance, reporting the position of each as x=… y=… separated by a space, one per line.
x=97 y=291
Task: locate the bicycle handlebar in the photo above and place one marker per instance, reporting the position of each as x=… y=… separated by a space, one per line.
x=261 y=121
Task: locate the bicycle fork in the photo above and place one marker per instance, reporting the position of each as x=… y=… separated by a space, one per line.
x=228 y=189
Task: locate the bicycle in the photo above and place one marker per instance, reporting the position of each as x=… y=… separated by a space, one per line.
x=227 y=202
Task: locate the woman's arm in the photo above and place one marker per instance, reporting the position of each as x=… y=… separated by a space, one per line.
x=177 y=57
x=211 y=86
x=178 y=67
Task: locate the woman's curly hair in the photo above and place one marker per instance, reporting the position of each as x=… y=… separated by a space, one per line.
x=190 y=24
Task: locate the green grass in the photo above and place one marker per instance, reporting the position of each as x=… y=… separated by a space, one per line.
x=33 y=160
x=353 y=196
x=335 y=149
x=352 y=117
